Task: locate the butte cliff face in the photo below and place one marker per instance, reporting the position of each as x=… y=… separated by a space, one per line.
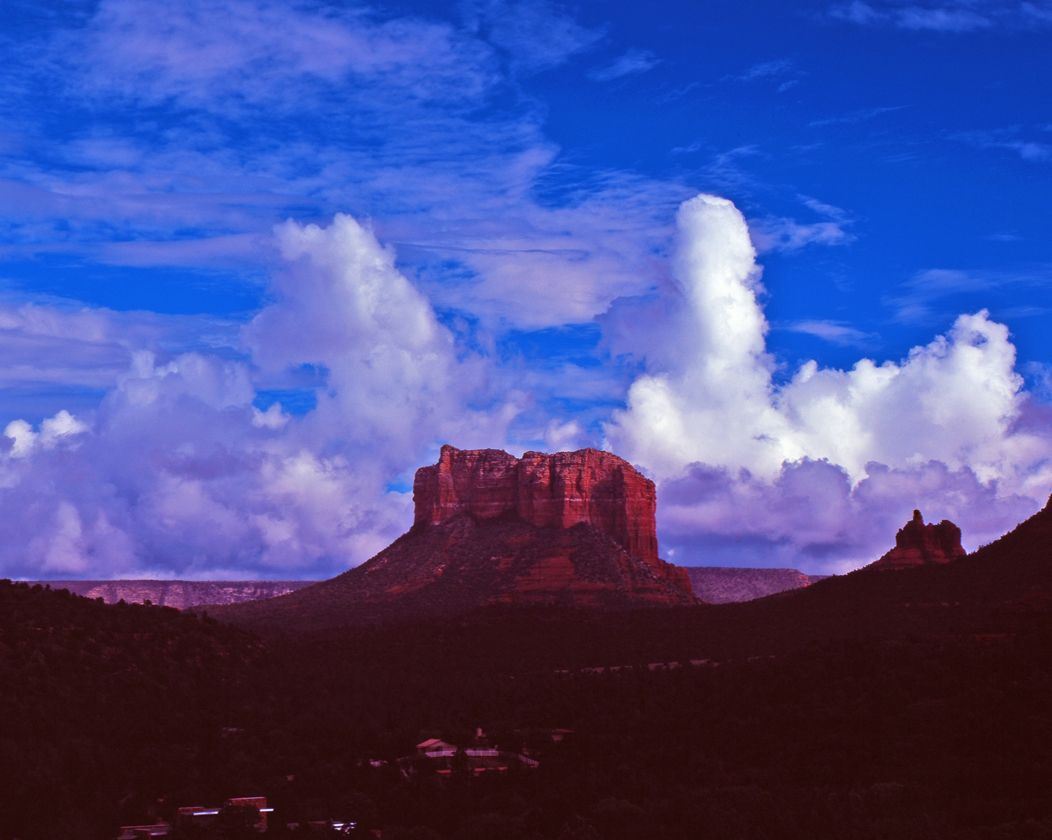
x=547 y=491
x=918 y=544
x=569 y=529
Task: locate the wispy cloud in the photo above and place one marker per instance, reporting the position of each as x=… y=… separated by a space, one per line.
x=1040 y=12
x=835 y=332
x=944 y=19
x=768 y=69
x=1011 y=139
x=535 y=35
x=254 y=51
x=780 y=233
x=68 y=345
x=952 y=17
x=783 y=233
x=426 y=132
x=726 y=168
x=630 y=63
x=783 y=73
x=1003 y=236
x=916 y=299
x=857 y=116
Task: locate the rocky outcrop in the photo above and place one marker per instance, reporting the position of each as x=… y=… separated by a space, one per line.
x=570 y=529
x=727 y=585
x=180 y=594
x=920 y=544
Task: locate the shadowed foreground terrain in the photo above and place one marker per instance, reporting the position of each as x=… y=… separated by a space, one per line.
x=909 y=703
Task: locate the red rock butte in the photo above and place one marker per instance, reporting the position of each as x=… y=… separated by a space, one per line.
x=548 y=491
x=571 y=529
x=918 y=544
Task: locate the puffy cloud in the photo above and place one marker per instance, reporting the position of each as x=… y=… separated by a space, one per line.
x=177 y=476
x=716 y=368
x=54 y=431
x=953 y=400
x=395 y=379
x=952 y=408
x=179 y=473
x=812 y=515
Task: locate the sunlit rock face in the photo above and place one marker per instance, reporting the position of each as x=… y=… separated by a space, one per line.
x=569 y=529
x=549 y=491
x=919 y=544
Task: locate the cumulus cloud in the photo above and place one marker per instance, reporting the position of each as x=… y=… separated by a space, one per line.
x=709 y=398
x=812 y=515
x=179 y=473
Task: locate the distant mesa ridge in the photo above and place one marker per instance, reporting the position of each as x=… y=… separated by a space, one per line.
x=568 y=529
x=920 y=544
x=180 y=594
x=733 y=584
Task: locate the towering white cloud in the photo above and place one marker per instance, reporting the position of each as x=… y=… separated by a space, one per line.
x=944 y=425
x=712 y=400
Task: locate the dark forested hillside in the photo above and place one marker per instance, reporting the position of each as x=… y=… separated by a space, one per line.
x=101 y=705
x=908 y=703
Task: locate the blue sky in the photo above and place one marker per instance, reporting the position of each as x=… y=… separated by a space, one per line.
x=193 y=339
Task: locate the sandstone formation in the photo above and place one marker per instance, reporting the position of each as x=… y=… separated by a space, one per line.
x=727 y=585
x=570 y=529
x=918 y=544
x=547 y=491
x=180 y=594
